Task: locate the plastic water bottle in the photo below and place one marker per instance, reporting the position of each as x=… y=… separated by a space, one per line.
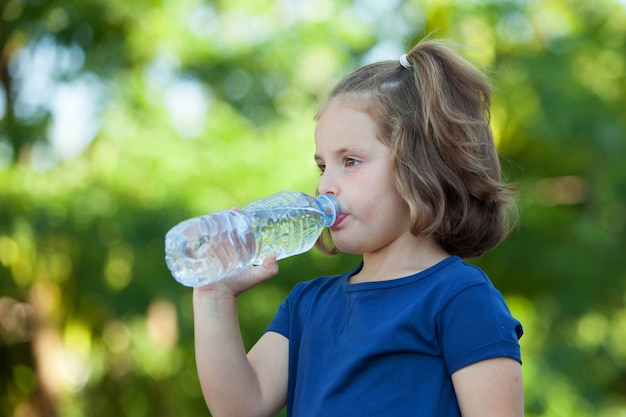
x=212 y=247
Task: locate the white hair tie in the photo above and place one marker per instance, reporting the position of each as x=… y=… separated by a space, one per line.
x=405 y=62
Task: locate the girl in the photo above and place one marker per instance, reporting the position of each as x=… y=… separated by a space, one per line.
x=406 y=148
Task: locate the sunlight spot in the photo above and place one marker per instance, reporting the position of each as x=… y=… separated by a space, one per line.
x=566 y=190
x=46 y=349
x=601 y=72
x=9 y=251
x=316 y=10
x=77 y=337
x=515 y=28
x=76 y=115
x=57 y=19
x=383 y=51
x=592 y=330
x=555 y=22
x=187 y=103
x=316 y=69
x=238 y=30
x=73 y=366
x=162 y=324
x=161 y=70
x=17 y=321
x=60 y=266
x=479 y=39
x=203 y=21
x=75 y=105
x=119 y=267
x=116 y=336
x=46 y=298
x=72 y=369
x=499 y=117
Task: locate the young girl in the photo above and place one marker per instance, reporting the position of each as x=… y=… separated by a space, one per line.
x=406 y=148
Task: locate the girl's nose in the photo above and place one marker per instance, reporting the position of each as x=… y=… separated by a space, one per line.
x=327 y=185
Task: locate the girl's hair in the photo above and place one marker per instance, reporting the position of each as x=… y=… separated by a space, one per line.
x=434 y=116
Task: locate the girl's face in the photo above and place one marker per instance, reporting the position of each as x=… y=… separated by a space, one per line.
x=357 y=168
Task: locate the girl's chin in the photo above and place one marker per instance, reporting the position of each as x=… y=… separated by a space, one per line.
x=345 y=247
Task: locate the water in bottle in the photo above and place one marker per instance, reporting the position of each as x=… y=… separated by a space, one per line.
x=212 y=247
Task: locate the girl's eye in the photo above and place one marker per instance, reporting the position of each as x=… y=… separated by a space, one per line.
x=322 y=167
x=351 y=162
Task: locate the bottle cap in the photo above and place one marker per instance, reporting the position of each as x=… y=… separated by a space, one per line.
x=330 y=207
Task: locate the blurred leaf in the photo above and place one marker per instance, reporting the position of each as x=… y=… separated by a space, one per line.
x=179 y=108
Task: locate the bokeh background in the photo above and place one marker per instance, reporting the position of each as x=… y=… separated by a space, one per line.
x=118 y=119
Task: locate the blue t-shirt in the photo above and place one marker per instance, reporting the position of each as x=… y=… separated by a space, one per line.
x=388 y=348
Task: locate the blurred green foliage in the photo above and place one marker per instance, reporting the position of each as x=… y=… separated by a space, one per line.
x=119 y=119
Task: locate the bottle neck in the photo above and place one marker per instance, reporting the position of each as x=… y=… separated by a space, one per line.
x=329 y=205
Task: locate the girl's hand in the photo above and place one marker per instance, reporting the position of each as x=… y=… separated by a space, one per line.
x=235 y=284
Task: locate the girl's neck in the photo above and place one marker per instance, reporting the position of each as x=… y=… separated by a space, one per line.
x=400 y=259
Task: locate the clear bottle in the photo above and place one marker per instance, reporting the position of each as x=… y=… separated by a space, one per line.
x=212 y=247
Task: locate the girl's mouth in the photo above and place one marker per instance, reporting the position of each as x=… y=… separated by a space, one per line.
x=340 y=219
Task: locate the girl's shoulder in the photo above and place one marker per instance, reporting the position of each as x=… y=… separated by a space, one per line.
x=458 y=276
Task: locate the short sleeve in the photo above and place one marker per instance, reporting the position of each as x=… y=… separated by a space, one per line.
x=280 y=322
x=477 y=325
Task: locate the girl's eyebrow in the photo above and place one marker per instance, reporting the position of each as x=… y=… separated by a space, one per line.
x=340 y=151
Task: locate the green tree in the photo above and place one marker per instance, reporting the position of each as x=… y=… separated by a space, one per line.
x=120 y=119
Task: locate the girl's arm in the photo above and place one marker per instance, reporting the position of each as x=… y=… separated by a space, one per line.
x=233 y=383
x=490 y=388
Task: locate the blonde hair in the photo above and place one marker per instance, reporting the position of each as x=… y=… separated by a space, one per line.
x=434 y=116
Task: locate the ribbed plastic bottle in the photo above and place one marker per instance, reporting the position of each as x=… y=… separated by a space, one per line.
x=212 y=247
